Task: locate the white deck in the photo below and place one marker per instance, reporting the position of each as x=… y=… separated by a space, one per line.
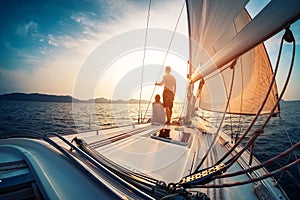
x=170 y=162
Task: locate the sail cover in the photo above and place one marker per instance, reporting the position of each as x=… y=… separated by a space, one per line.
x=212 y=24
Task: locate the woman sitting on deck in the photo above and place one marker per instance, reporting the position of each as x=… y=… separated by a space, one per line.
x=158 y=111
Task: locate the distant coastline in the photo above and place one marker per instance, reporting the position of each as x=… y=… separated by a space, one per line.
x=38 y=97
x=63 y=99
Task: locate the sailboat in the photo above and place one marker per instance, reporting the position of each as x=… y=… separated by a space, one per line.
x=191 y=159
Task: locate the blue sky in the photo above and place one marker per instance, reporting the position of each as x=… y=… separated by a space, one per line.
x=45 y=43
x=33 y=26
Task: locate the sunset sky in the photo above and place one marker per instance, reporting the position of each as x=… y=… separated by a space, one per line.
x=46 y=45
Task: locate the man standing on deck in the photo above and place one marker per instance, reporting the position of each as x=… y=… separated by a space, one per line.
x=169 y=83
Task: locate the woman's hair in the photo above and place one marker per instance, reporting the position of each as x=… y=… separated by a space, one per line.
x=157 y=97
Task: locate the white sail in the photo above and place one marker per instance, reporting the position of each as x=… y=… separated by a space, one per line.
x=252 y=72
x=205 y=27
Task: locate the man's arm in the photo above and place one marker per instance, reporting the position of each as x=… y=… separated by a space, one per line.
x=160 y=83
x=174 y=86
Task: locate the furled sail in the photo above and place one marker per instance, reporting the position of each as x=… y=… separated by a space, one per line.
x=212 y=25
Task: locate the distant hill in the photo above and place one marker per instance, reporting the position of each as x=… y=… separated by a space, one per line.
x=119 y=101
x=62 y=98
x=136 y=101
x=36 y=97
x=102 y=100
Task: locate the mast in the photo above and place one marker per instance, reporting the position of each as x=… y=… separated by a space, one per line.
x=190 y=72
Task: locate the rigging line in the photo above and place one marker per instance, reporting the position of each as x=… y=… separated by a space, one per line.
x=186 y=92
x=280 y=96
x=239 y=128
x=288 y=36
x=281 y=122
x=132 y=177
x=105 y=171
x=281 y=175
x=165 y=58
x=296 y=181
x=220 y=70
x=229 y=109
x=260 y=109
x=290 y=175
x=284 y=88
x=232 y=160
x=222 y=120
x=251 y=180
x=217 y=72
x=97 y=155
x=231 y=124
x=286 y=152
x=184 y=102
x=143 y=66
x=114 y=166
x=276 y=161
x=114 y=177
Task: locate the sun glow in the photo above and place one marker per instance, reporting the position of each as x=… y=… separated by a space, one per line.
x=124 y=77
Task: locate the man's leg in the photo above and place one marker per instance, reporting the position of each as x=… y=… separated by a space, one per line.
x=169 y=113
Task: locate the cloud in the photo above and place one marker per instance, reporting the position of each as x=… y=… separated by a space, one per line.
x=51 y=40
x=27 y=29
x=53 y=75
x=84 y=18
x=56 y=71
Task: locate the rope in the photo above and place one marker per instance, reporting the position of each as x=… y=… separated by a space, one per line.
x=241 y=106
x=239 y=128
x=231 y=161
x=185 y=96
x=286 y=82
x=165 y=58
x=284 y=87
x=291 y=149
x=274 y=107
x=259 y=111
x=259 y=131
x=144 y=56
x=222 y=120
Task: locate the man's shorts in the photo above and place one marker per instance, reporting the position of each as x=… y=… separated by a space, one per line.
x=168 y=98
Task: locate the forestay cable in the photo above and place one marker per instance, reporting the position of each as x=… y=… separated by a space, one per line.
x=143 y=65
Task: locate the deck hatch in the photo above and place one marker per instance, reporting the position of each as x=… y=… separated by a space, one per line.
x=179 y=136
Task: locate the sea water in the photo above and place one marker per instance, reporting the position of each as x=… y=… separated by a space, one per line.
x=67 y=118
